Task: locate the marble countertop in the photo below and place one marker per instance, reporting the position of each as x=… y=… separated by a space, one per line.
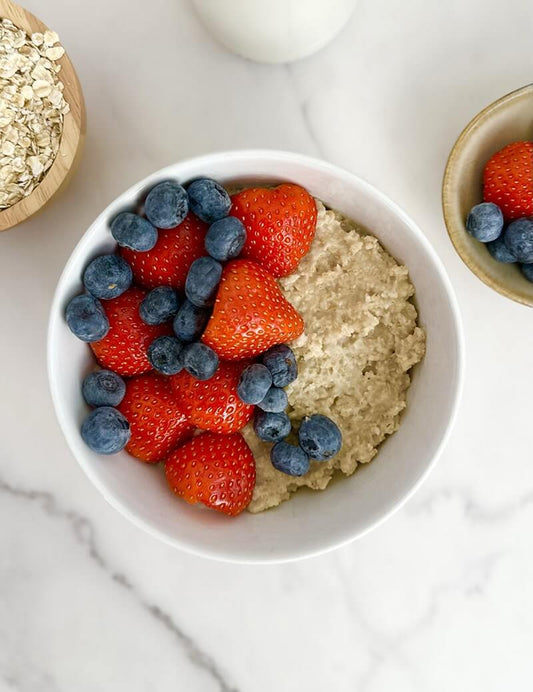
x=438 y=598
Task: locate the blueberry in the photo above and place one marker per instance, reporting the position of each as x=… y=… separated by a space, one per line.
x=103 y=388
x=254 y=383
x=527 y=271
x=275 y=400
x=200 y=361
x=190 y=322
x=86 y=318
x=208 y=200
x=225 y=238
x=289 y=459
x=271 y=427
x=281 y=362
x=133 y=231
x=107 y=276
x=105 y=430
x=166 y=205
x=159 y=305
x=519 y=239
x=499 y=251
x=202 y=281
x=164 y=354
x=319 y=437
x=485 y=222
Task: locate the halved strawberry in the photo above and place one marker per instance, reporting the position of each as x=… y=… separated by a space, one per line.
x=168 y=262
x=213 y=404
x=280 y=225
x=216 y=470
x=157 y=425
x=251 y=314
x=124 y=347
x=508 y=180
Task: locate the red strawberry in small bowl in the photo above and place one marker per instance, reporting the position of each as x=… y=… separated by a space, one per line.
x=280 y=225
x=156 y=422
x=251 y=313
x=168 y=262
x=124 y=348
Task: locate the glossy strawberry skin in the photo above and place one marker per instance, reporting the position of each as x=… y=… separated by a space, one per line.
x=168 y=262
x=156 y=423
x=280 y=225
x=216 y=470
x=250 y=314
x=124 y=348
x=213 y=405
x=508 y=180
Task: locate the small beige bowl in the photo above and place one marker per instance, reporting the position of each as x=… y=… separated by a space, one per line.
x=74 y=126
x=507 y=120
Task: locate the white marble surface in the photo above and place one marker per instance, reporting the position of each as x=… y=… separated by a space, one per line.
x=439 y=598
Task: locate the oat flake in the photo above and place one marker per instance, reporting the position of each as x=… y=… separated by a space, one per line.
x=32 y=107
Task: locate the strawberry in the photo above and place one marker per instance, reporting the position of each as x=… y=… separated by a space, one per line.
x=217 y=470
x=280 y=225
x=251 y=314
x=123 y=349
x=508 y=180
x=168 y=262
x=213 y=404
x=156 y=423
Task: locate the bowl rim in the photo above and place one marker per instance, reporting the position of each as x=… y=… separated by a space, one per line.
x=337 y=172
x=455 y=228
x=72 y=137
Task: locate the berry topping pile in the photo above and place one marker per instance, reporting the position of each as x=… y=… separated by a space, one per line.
x=190 y=328
x=504 y=220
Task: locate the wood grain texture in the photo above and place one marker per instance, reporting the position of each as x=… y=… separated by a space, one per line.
x=72 y=138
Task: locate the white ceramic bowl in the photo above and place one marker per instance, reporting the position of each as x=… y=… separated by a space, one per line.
x=311 y=522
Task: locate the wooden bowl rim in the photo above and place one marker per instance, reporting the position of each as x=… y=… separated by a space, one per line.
x=74 y=126
x=455 y=225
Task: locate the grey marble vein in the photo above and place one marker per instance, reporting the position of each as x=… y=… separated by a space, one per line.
x=84 y=532
x=472 y=508
x=473 y=581
x=303 y=106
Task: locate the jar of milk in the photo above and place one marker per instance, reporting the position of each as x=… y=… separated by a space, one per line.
x=274 y=31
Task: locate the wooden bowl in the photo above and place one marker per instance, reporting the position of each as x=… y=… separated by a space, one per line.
x=72 y=138
x=507 y=120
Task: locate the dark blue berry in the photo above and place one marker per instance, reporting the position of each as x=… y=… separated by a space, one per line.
x=105 y=430
x=107 y=276
x=200 y=361
x=485 y=222
x=159 y=305
x=275 y=400
x=133 y=231
x=519 y=239
x=281 y=362
x=208 y=200
x=190 y=322
x=164 y=354
x=86 y=318
x=527 y=271
x=499 y=250
x=225 y=238
x=254 y=383
x=271 y=427
x=103 y=388
x=289 y=459
x=202 y=281
x=319 y=437
x=166 y=205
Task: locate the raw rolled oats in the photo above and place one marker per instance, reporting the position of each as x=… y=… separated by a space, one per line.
x=32 y=108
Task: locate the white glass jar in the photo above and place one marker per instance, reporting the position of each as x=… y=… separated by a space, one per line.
x=274 y=31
